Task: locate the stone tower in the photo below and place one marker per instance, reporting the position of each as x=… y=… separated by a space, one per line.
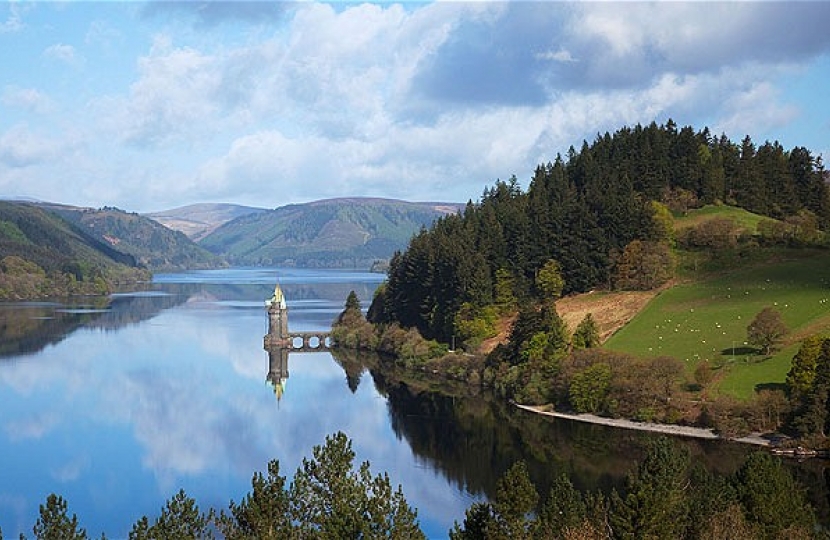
x=277 y=320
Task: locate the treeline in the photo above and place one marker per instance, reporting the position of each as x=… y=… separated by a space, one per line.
x=665 y=496
x=542 y=363
x=603 y=213
x=328 y=498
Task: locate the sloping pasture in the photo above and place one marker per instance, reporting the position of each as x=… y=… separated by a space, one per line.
x=707 y=320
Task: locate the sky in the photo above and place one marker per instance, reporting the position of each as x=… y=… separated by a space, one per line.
x=149 y=106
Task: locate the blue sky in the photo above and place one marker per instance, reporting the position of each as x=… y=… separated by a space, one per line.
x=150 y=106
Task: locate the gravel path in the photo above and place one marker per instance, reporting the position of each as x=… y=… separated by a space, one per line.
x=669 y=429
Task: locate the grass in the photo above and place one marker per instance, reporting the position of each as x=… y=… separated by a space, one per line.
x=707 y=320
x=745 y=220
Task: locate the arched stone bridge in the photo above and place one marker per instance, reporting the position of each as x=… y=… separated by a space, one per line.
x=300 y=341
x=278 y=335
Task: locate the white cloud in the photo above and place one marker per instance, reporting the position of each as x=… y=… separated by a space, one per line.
x=26 y=98
x=14 y=21
x=33 y=426
x=62 y=53
x=757 y=106
x=398 y=100
x=172 y=97
x=561 y=55
x=21 y=147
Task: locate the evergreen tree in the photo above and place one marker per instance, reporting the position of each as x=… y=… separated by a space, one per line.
x=180 y=519
x=54 y=522
x=803 y=369
x=654 y=503
x=330 y=500
x=263 y=514
x=478 y=520
x=514 y=504
x=586 y=335
x=770 y=496
x=563 y=510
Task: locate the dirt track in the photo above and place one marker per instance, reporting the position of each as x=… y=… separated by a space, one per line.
x=668 y=429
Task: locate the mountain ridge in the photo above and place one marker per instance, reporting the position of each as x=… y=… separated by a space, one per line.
x=337 y=232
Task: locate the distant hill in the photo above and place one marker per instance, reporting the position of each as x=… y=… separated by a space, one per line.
x=149 y=242
x=199 y=220
x=347 y=232
x=43 y=254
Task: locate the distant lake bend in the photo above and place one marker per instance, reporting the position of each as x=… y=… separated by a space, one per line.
x=117 y=403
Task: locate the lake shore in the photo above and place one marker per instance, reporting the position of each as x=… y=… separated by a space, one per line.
x=668 y=429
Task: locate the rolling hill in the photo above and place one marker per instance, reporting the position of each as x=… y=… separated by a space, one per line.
x=348 y=232
x=150 y=243
x=199 y=220
x=43 y=254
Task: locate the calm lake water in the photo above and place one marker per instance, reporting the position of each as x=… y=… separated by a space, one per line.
x=117 y=403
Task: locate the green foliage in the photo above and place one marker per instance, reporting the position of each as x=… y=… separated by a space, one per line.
x=663 y=498
x=590 y=387
x=770 y=496
x=351 y=330
x=549 y=281
x=54 y=522
x=563 y=510
x=803 y=371
x=644 y=266
x=352 y=302
x=180 y=519
x=263 y=514
x=330 y=500
x=516 y=500
x=509 y=516
x=766 y=329
x=505 y=298
x=662 y=223
x=473 y=325
x=654 y=504
x=9 y=232
x=586 y=334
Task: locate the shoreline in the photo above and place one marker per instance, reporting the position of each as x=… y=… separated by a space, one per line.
x=667 y=429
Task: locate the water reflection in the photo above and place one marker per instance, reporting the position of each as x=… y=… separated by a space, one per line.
x=117 y=405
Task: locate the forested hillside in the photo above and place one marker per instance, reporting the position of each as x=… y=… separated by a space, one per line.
x=150 y=243
x=41 y=254
x=353 y=232
x=602 y=217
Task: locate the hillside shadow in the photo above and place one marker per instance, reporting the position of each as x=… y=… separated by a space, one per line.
x=771 y=386
x=740 y=351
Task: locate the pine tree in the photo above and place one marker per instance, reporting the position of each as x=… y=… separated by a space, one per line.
x=514 y=504
x=654 y=504
x=770 y=496
x=54 y=522
x=563 y=509
x=263 y=514
x=586 y=335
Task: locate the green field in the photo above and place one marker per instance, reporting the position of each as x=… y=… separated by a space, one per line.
x=707 y=320
x=745 y=220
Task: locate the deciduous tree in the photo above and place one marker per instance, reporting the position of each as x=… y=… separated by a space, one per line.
x=765 y=329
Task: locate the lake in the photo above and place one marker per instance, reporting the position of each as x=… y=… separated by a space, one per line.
x=116 y=403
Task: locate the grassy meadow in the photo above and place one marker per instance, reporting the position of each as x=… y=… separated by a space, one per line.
x=707 y=319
